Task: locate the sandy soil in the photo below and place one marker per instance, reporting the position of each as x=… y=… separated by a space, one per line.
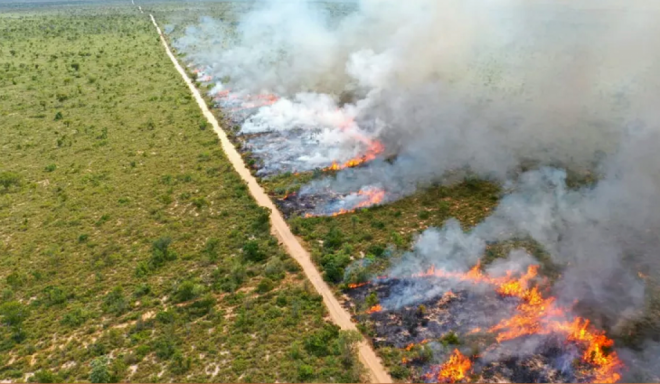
x=281 y=230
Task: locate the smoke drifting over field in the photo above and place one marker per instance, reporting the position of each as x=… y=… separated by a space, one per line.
x=485 y=86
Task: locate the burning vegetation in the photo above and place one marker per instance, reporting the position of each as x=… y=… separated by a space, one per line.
x=351 y=123
x=494 y=314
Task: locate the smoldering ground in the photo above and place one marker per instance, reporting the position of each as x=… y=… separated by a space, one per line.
x=489 y=87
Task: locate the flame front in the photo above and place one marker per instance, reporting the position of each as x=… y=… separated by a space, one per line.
x=375 y=308
x=371 y=196
x=374 y=149
x=535 y=315
x=456 y=369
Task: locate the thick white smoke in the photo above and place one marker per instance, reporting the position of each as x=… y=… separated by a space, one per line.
x=489 y=86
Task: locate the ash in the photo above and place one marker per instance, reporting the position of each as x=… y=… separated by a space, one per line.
x=297 y=204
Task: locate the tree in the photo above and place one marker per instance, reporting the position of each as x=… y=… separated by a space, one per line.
x=115 y=301
x=13 y=313
x=252 y=252
x=161 y=253
x=334 y=239
x=99 y=373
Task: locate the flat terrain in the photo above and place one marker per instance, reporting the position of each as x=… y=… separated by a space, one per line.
x=130 y=249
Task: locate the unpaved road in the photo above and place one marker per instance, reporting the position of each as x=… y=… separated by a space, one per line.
x=281 y=230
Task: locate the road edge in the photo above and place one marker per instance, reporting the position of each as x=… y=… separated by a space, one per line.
x=281 y=230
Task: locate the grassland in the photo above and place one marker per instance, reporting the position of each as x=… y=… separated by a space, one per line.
x=129 y=248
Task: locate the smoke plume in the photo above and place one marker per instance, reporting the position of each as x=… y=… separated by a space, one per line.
x=493 y=87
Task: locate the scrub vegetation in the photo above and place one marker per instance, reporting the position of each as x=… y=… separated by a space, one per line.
x=129 y=248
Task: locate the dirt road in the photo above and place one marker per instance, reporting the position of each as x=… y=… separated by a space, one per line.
x=281 y=230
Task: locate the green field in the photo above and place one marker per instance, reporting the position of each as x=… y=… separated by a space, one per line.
x=129 y=248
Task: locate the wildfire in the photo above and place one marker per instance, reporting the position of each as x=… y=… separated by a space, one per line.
x=249 y=101
x=287 y=196
x=357 y=285
x=539 y=315
x=456 y=369
x=412 y=345
x=375 y=148
x=535 y=315
x=372 y=196
x=375 y=308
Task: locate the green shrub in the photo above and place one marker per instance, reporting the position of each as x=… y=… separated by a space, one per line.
x=8 y=179
x=376 y=250
x=75 y=317
x=179 y=363
x=199 y=202
x=262 y=221
x=211 y=249
x=13 y=313
x=50 y=168
x=142 y=269
x=166 y=317
x=333 y=239
x=161 y=253
x=45 y=376
x=371 y=299
x=16 y=280
x=443 y=208
x=332 y=272
x=187 y=291
x=305 y=372
x=142 y=290
x=399 y=372
x=115 y=302
x=54 y=295
x=164 y=347
x=274 y=269
x=265 y=285
x=99 y=372
x=450 y=338
x=251 y=251
x=202 y=306
x=318 y=344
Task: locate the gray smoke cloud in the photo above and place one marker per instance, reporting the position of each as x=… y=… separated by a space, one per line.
x=485 y=86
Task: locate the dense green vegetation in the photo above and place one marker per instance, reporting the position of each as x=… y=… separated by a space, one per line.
x=129 y=248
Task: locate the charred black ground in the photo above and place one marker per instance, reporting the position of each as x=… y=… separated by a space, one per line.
x=425 y=332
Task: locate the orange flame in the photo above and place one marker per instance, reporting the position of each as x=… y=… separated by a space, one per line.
x=262 y=100
x=536 y=314
x=456 y=369
x=375 y=148
x=374 y=196
x=287 y=196
x=412 y=345
x=356 y=285
x=375 y=308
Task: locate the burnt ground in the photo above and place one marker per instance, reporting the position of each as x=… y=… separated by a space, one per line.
x=438 y=323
